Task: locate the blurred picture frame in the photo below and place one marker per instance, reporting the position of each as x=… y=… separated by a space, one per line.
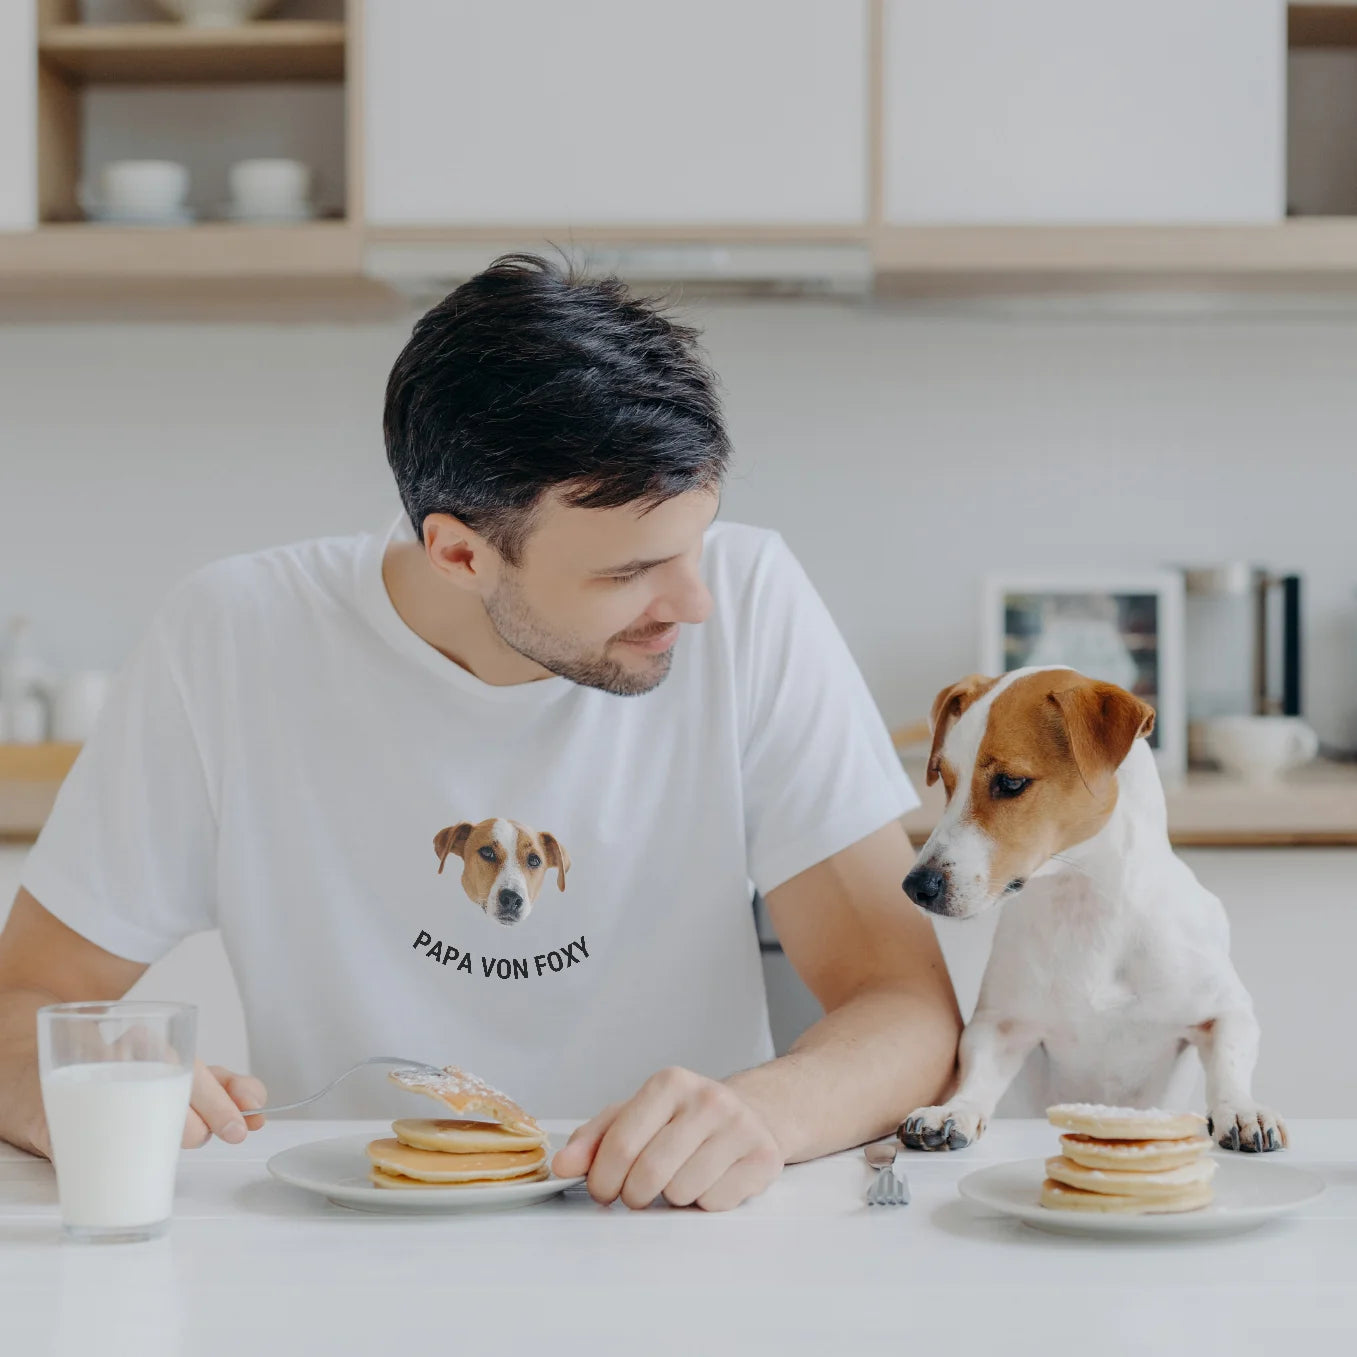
x=1121 y=627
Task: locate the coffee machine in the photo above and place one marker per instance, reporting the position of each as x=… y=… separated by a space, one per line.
x=1242 y=649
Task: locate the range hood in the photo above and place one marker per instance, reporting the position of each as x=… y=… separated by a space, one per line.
x=425 y=268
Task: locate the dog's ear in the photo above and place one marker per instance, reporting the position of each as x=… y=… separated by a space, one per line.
x=556 y=857
x=947 y=706
x=1102 y=722
x=451 y=840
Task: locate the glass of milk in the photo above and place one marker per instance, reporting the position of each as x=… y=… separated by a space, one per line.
x=115 y=1087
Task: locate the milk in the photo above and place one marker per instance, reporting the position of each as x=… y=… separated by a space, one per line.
x=116 y=1126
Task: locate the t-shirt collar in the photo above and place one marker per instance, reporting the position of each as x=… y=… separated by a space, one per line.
x=376 y=606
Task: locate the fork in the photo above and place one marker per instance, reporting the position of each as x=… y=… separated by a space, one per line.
x=371 y=1060
x=888 y=1188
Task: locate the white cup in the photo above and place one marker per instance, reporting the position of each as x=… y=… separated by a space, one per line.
x=1259 y=748
x=76 y=703
x=269 y=188
x=143 y=188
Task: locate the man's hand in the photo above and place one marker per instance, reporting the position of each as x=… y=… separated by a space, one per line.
x=217 y=1104
x=684 y=1137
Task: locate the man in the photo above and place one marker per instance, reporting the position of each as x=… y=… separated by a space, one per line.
x=558 y=677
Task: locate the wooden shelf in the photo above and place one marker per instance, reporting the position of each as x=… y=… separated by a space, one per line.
x=1321 y=25
x=1318 y=250
x=46 y=762
x=215 y=271
x=176 y=54
x=30 y=776
x=208 y=250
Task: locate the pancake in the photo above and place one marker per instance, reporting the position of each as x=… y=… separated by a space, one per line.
x=1058 y=1197
x=379 y=1178
x=453 y=1136
x=1125 y=1123
x=467 y=1096
x=1141 y=1156
x=1117 y=1183
x=433 y=1166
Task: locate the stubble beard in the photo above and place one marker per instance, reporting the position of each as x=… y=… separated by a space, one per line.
x=522 y=632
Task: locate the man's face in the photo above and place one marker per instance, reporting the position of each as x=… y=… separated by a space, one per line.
x=599 y=594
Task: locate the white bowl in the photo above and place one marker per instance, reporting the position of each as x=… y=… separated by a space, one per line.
x=138 y=192
x=1259 y=749
x=216 y=13
x=268 y=187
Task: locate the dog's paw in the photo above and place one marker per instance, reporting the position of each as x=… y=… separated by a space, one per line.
x=1254 y=1130
x=941 y=1128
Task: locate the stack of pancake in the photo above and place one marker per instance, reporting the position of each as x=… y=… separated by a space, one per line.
x=491 y=1141
x=1131 y=1161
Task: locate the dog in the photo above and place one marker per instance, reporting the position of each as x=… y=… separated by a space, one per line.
x=505 y=864
x=1111 y=956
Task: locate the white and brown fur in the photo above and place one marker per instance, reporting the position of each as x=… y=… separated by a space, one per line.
x=504 y=864
x=1110 y=956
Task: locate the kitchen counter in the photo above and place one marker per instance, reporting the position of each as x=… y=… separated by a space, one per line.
x=253 y=1266
x=1313 y=807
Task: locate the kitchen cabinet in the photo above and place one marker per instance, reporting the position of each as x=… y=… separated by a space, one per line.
x=18 y=117
x=606 y=112
x=1080 y=112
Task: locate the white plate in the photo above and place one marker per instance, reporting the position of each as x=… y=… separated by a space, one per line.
x=338 y=1171
x=1249 y=1192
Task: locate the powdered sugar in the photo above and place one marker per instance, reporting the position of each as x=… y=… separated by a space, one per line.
x=465 y=1092
x=449 y=1082
x=1120 y=1113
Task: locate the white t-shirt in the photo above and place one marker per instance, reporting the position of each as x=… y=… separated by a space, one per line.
x=281 y=751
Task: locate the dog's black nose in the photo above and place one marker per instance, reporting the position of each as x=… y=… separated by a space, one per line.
x=510 y=902
x=927 y=887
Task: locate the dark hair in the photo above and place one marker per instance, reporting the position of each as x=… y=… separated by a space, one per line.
x=531 y=377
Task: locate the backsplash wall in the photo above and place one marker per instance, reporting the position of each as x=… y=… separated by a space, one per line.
x=902 y=454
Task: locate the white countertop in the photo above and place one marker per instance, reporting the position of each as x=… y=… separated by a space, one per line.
x=1313 y=806
x=253 y=1266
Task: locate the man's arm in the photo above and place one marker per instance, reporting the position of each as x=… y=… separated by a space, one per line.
x=886 y=1045
x=44 y=962
x=888 y=1040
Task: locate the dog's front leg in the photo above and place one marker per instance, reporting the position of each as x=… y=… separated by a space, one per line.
x=992 y=1052
x=1228 y=1046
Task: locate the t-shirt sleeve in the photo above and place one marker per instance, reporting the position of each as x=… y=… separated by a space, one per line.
x=819 y=769
x=127 y=857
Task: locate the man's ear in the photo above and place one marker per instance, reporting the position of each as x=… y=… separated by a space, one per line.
x=451 y=840
x=459 y=553
x=556 y=857
x=947 y=706
x=1102 y=722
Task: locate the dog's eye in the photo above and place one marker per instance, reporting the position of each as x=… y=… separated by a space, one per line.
x=534 y=861
x=1004 y=786
x=488 y=853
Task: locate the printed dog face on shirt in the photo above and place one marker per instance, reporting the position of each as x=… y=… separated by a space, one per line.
x=504 y=864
